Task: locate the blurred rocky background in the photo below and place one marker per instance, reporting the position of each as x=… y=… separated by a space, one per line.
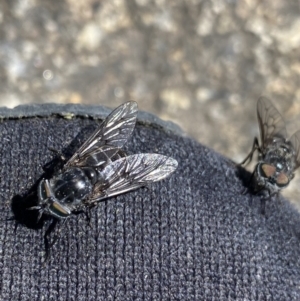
x=200 y=63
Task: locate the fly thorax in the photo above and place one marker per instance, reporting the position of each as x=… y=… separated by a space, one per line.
x=72 y=186
x=91 y=173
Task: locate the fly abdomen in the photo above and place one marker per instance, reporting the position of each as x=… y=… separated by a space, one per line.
x=100 y=156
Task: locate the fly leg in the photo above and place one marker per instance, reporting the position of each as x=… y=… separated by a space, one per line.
x=246 y=189
x=58 y=154
x=12 y=218
x=46 y=238
x=263 y=206
x=278 y=199
x=265 y=199
x=56 y=163
x=255 y=147
x=87 y=214
x=51 y=228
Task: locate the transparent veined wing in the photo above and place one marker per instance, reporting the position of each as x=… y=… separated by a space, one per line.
x=132 y=172
x=295 y=141
x=108 y=139
x=271 y=124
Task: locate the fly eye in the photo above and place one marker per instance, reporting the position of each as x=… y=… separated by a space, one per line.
x=267 y=170
x=282 y=180
x=59 y=210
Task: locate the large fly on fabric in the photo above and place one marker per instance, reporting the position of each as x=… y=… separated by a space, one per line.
x=99 y=169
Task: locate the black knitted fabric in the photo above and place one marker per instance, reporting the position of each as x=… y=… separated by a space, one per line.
x=192 y=236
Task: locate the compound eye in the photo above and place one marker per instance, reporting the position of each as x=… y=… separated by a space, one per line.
x=282 y=180
x=59 y=210
x=267 y=170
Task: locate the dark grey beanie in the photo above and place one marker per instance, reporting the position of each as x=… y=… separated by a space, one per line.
x=192 y=236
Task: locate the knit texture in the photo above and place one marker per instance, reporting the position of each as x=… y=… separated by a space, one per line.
x=192 y=236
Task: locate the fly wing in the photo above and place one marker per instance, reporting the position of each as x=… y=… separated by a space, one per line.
x=271 y=124
x=131 y=172
x=107 y=140
x=295 y=141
